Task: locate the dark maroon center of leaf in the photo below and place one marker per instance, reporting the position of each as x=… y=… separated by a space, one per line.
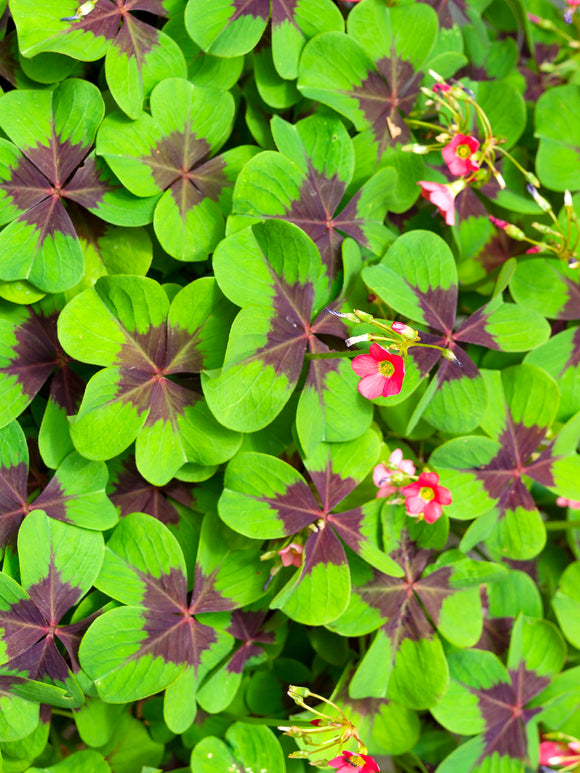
x=502 y=476
x=410 y=605
x=502 y=707
x=131 y=493
x=384 y=94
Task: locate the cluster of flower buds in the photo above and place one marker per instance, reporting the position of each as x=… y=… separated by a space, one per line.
x=315 y=734
x=560 y=242
x=382 y=370
x=471 y=160
x=422 y=495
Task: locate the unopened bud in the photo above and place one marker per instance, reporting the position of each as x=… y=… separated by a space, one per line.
x=343 y=315
x=573 y=262
x=544 y=205
x=532 y=179
x=568 y=200
x=448 y=354
x=358 y=339
x=499 y=180
x=435 y=75
x=363 y=316
x=420 y=150
x=404 y=330
x=544 y=24
x=298 y=692
x=299 y=755
x=514 y=232
x=292 y=732
x=545 y=229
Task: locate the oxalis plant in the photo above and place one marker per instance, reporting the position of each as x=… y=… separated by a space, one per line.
x=289 y=386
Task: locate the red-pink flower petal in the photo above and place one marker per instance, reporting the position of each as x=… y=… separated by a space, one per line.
x=371 y=386
x=365 y=365
x=382 y=475
x=443 y=198
x=348 y=762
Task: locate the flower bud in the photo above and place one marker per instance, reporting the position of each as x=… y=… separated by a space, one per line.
x=568 y=200
x=545 y=229
x=448 y=354
x=573 y=262
x=298 y=692
x=514 y=232
x=421 y=150
x=405 y=331
x=532 y=179
x=343 y=315
x=544 y=205
x=363 y=316
x=358 y=339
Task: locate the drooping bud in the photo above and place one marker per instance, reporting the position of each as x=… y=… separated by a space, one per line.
x=532 y=179
x=573 y=262
x=358 y=339
x=542 y=203
x=405 y=331
x=343 y=315
x=363 y=316
x=420 y=150
x=448 y=354
x=298 y=692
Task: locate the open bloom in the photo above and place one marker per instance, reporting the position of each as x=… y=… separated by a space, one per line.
x=443 y=196
x=382 y=373
x=458 y=155
x=291 y=555
x=425 y=497
x=383 y=475
x=348 y=762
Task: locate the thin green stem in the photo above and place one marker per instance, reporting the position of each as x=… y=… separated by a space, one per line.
x=330 y=355
x=562 y=525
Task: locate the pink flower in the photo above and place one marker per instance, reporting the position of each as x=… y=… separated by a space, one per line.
x=441 y=87
x=291 y=555
x=424 y=498
x=382 y=373
x=573 y=3
x=443 y=196
x=534 y=249
x=503 y=224
x=348 y=762
x=554 y=753
x=383 y=475
x=404 y=330
x=573 y=503
x=457 y=155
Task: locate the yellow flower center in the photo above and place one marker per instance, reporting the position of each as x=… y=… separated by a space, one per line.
x=463 y=151
x=356 y=762
x=427 y=493
x=386 y=368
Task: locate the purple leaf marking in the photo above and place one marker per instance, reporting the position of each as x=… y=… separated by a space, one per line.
x=31 y=625
x=133 y=494
x=246 y=626
x=13 y=505
x=410 y=605
x=257 y=9
x=502 y=476
x=502 y=707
